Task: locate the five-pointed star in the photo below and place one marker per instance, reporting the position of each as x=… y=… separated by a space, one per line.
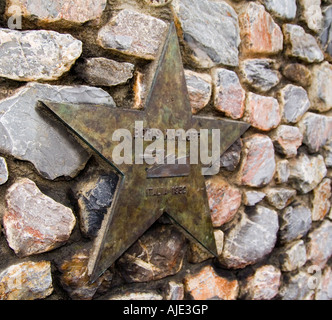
x=135 y=205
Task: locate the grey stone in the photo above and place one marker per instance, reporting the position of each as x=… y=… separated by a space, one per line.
x=326 y=34
x=34 y=223
x=148 y=295
x=231 y=158
x=94 y=195
x=283 y=9
x=328 y=154
x=212 y=43
x=3 y=171
x=301 y=45
x=260 y=73
x=316 y=130
x=320 y=93
x=134 y=34
x=60 y=11
x=26 y=281
x=295 y=222
x=293 y=256
x=319 y=246
x=294 y=103
x=324 y=289
x=258 y=226
x=27 y=134
x=229 y=96
x=306 y=172
x=175 y=291
x=199 y=88
x=37 y=54
x=286 y=140
x=295 y=287
x=312 y=14
x=282 y=171
x=252 y=197
x=105 y=72
x=280 y=197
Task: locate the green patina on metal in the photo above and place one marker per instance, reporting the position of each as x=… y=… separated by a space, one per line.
x=145 y=192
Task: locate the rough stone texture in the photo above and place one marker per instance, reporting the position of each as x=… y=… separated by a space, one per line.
x=297 y=73
x=134 y=34
x=306 y=172
x=199 y=88
x=282 y=172
x=215 y=43
x=26 y=281
x=328 y=153
x=293 y=256
x=301 y=45
x=286 y=140
x=27 y=134
x=316 y=130
x=320 y=93
x=30 y=217
x=260 y=225
x=224 y=200
x=296 y=287
x=262 y=112
x=105 y=72
x=294 y=103
x=175 y=291
x=259 y=33
x=250 y=198
x=228 y=96
x=231 y=158
x=157 y=254
x=260 y=73
x=326 y=34
x=207 y=284
x=64 y=12
x=74 y=277
x=157 y=3
x=36 y=54
x=3 y=171
x=258 y=164
x=262 y=285
x=324 y=289
x=280 y=197
x=319 y=246
x=94 y=196
x=283 y=9
x=295 y=222
x=312 y=14
x=321 y=202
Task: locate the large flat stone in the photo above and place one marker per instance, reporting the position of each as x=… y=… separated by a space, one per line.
x=134 y=34
x=37 y=54
x=258 y=226
x=212 y=43
x=28 y=134
x=68 y=13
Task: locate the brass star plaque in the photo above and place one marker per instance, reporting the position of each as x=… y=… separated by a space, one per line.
x=146 y=191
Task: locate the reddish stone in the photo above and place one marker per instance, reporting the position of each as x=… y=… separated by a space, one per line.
x=34 y=223
x=258 y=165
x=208 y=285
x=321 y=203
x=262 y=112
x=224 y=200
x=263 y=284
x=259 y=33
x=229 y=96
x=286 y=140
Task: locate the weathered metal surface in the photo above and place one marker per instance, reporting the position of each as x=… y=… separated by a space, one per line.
x=144 y=191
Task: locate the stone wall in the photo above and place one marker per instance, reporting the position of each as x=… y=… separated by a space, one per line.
x=265 y=62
